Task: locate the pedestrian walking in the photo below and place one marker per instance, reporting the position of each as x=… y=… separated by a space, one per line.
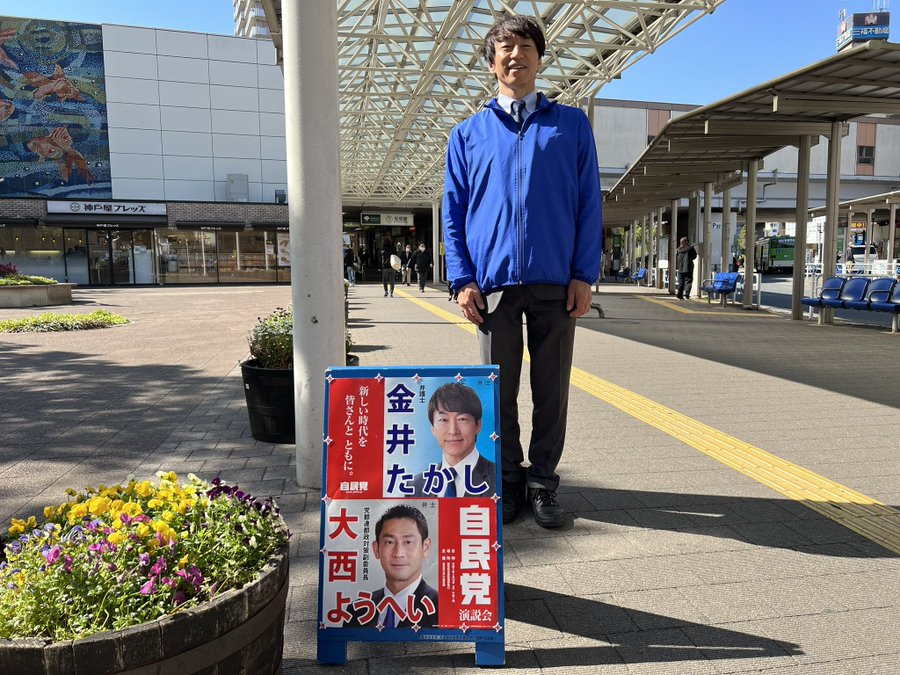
x=388 y=272
x=507 y=271
x=405 y=259
x=685 y=255
x=350 y=265
x=422 y=264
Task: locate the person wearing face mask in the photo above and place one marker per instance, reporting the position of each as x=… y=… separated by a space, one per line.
x=523 y=235
x=422 y=263
x=405 y=258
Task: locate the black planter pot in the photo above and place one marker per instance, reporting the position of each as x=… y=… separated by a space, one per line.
x=270 y=402
x=352 y=360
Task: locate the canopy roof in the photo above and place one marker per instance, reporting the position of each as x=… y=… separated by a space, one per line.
x=711 y=143
x=879 y=201
x=411 y=69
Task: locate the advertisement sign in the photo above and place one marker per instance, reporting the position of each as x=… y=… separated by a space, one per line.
x=862 y=28
x=107 y=208
x=411 y=542
x=284 y=248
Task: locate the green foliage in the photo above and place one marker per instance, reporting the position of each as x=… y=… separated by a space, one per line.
x=50 y=322
x=110 y=558
x=25 y=280
x=272 y=340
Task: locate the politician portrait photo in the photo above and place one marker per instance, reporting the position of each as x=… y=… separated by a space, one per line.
x=455 y=412
x=402 y=546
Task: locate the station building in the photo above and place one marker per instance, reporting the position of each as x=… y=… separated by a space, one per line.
x=146 y=156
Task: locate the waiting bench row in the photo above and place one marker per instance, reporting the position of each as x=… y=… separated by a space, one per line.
x=879 y=294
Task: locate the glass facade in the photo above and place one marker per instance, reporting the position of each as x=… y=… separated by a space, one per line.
x=110 y=256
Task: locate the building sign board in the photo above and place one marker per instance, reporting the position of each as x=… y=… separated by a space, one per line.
x=391 y=219
x=106 y=208
x=395 y=475
x=863 y=27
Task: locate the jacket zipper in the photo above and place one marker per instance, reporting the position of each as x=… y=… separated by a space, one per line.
x=520 y=170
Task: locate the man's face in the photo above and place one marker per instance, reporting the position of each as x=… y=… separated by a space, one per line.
x=455 y=433
x=515 y=65
x=401 y=551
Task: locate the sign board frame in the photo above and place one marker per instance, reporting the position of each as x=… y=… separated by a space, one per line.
x=381 y=454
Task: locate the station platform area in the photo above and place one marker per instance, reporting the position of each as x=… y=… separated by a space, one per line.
x=731 y=477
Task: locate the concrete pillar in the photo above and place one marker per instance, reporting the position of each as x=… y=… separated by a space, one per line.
x=800 y=217
x=694 y=237
x=706 y=256
x=892 y=239
x=832 y=192
x=727 y=231
x=673 y=244
x=870 y=236
x=750 y=233
x=658 y=246
x=646 y=224
x=314 y=208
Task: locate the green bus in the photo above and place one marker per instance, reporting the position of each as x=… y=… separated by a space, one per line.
x=775 y=254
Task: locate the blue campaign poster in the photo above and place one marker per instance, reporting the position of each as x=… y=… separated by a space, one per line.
x=411 y=540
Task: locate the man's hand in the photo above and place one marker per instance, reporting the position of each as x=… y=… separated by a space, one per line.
x=578 y=298
x=471 y=302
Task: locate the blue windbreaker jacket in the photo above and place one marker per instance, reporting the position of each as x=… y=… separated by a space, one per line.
x=522 y=207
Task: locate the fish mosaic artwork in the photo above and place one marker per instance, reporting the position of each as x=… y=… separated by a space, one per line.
x=54 y=140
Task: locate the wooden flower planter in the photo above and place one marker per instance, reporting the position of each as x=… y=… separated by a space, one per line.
x=240 y=631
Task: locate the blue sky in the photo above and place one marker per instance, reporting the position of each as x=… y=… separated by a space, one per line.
x=744 y=43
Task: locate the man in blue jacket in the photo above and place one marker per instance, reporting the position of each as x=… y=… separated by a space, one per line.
x=523 y=236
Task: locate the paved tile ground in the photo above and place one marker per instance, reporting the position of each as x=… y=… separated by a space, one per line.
x=670 y=562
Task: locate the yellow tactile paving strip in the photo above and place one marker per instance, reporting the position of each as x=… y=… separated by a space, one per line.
x=682 y=307
x=866 y=516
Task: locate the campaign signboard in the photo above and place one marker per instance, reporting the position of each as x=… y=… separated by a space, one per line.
x=411 y=543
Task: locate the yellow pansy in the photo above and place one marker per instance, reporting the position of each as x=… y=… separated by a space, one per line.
x=154 y=503
x=116 y=538
x=144 y=489
x=143 y=530
x=98 y=505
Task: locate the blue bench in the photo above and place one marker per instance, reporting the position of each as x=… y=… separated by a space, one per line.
x=723 y=285
x=639 y=276
x=873 y=295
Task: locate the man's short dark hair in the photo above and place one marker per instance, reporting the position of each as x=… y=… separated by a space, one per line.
x=403 y=511
x=456 y=398
x=505 y=28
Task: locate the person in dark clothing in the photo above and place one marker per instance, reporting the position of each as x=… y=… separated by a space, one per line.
x=350 y=266
x=684 y=266
x=421 y=261
x=388 y=274
x=406 y=256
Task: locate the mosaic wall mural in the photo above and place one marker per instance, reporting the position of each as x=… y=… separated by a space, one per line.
x=53 y=125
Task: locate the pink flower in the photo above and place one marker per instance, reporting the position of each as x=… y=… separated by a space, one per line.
x=179 y=599
x=52 y=554
x=149 y=587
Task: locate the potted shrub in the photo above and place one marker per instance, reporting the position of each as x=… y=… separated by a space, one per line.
x=268 y=376
x=148 y=576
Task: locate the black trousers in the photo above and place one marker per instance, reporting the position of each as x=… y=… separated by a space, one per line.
x=683 y=287
x=387 y=279
x=551 y=337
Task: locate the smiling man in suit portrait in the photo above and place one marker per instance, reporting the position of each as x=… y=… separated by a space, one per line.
x=406 y=600
x=454 y=412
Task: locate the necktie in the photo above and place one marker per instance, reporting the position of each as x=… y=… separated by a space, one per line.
x=390 y=619
x=451 y=484
x=518 y=112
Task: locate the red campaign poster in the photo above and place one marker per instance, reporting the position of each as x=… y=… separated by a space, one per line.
x=355 y=437
x=468 y=564
x=410 y=537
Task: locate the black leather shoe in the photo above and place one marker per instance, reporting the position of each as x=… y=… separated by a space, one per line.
x=547 y=511
x=513 y=500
